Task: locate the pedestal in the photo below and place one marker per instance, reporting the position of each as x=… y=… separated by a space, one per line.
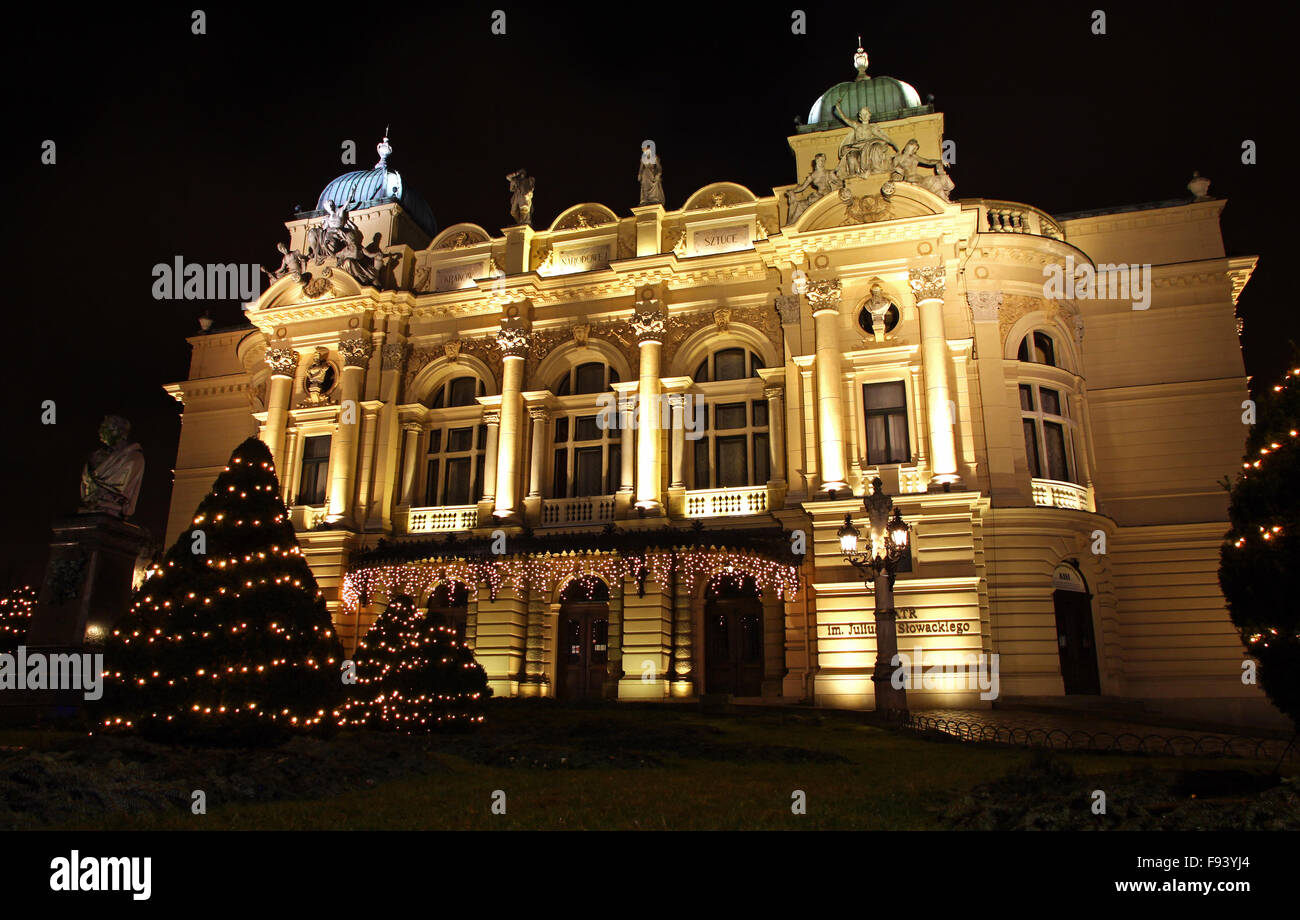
x=88 y=580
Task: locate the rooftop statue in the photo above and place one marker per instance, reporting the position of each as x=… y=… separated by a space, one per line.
x=819 y=182
x=905 y=170
x=650 y=175
x=334 y=231
x=369 y=265
x=866 y=151
x=110 y=480
x=521 y=197
x=292 y=262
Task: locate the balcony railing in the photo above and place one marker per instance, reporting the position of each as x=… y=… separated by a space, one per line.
x=442 y=519
x=1013 y=217
x=1052 y=493
x=726 y=502
x=307 y=517
x=590 y=510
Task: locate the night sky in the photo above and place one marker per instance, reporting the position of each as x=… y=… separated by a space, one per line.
x=170 y=143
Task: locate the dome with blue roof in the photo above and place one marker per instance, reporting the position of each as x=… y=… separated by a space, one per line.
x=886 y=98
x=365 y=188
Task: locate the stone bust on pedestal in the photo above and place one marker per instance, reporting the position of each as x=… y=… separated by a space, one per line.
x=110 y=480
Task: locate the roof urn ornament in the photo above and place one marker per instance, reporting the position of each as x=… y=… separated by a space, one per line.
x=110 y=480
x=384 y=149
x=1199 y=187
x=521 y=197
x=860 y=61
x=650 y=175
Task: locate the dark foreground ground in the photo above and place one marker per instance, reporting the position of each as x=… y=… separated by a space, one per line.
x=621 y=766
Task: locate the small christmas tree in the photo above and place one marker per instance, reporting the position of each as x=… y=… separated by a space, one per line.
x=16 y=608
x=228 y=638
x=414 y=675
x=1259 y=564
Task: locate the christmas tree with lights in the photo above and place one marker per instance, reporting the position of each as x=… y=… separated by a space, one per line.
x=228 y=639
x=414 y=675
x=16 y=608
x=1259 y=564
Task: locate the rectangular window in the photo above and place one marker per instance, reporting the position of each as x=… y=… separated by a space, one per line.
x=886 y=411
x=1026 y=398
x=462 y=391
x=729 y=416
x=1031 y=448
x=456 y=491
x=590 y=378
x=729 y=364
x=1054 y=438
x=562 y=429
x=760 y=413
x=460 y=439
x=431 y=485
x=560 y=475
x=733 y=470
x=702 y=478
x=615 y=469
x=586 y=429
x=1051 y=401
x=762 y=460
x=587 y=472
x=315 y=465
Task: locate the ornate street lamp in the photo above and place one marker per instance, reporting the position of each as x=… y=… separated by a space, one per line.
x=877 y=563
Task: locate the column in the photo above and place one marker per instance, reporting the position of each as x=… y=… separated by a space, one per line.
x=292 y=446
x=648 y=325
x=283 y=361
x=491 y=418
x=824 y=299
x=775 y=432
x=626 y=419
x=410 y=458
x=678 y=403
x=513 y=341
x=356 y=356
x=539 y=416
x=388 y=443
x=809 y=417
x=928 y=286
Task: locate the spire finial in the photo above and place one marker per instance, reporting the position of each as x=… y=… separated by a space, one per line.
x=860 y=60
x=383 y=148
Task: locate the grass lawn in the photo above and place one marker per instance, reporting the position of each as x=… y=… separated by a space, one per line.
x=651 y=767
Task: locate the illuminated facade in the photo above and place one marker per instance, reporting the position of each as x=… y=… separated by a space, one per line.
x=508 y=411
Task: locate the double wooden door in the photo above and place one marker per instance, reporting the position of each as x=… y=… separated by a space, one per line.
x=733 y=646
x=584 y=651
x=1076 y=642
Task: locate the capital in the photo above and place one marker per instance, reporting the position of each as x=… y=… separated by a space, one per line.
x=928 y=282
x=538 y=413
x=394 y=353
x=513 y=339
x=649 y=322
x=491 y=416
x=787 y=306
x=984 y=305
x=282 y=360
x=677 y=401
x=773 y=392
x=356 y=352
x=824 y=295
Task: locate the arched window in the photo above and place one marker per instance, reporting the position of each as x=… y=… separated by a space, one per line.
x=449 y=606
x=592 y=377
x=1038 y=348
x=728 y=364
x=459 y=391
x=1049 y=433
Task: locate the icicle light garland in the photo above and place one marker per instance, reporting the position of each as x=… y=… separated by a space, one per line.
x=546 y=571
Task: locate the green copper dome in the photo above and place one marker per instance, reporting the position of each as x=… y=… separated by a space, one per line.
x=887 y=98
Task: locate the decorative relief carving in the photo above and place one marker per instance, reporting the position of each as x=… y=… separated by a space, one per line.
x=649 y=322
x=1014 y=306
x=865 y=209
x=319 y=285
x=927 y=283
x=721 y=318
x=681 y=328
x=462 y=240
x=787 y=307
x=283 y=361
x=451 y=350
x=512 y=339
x=984 y=305
x=580 y=334
x=824 y=295
x=356 y=352
x=582 y=220
x=393 y=354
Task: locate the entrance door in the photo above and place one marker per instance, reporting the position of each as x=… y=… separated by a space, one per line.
x=1076 y=642
x=583 y=651
x=733 y=646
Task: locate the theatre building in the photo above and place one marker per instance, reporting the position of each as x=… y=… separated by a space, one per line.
x=615 y=450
